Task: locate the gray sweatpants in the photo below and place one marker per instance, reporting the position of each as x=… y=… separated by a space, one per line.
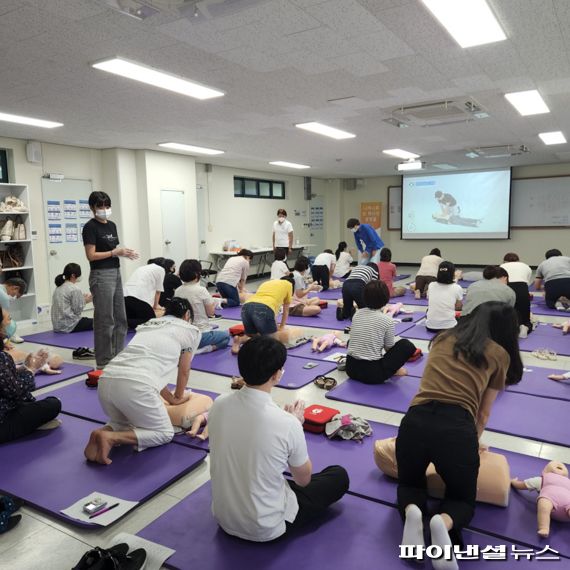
x=110 y=319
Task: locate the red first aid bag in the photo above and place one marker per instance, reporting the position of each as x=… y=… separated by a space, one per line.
x=317 y=416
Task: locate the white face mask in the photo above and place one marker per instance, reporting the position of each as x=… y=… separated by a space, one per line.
x=354 y=230
x=103 y=214
x=78 y=279
x=281 y=219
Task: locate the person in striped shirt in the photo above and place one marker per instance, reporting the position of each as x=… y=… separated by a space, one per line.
x=373 y=355
x=353 y=287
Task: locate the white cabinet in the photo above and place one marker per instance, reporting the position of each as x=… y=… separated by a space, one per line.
x=25 y=308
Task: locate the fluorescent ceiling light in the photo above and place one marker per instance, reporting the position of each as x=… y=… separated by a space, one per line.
x=289 y=164
x=470 y=22
x=410 y=165
x=190 y=148
x=399 y=153
x=321 y=129
x=527 y=102
x=29 y=121
x=155 y=77
x=554 y=137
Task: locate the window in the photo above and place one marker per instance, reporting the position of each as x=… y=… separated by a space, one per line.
x=3 y=166
x=254 y=188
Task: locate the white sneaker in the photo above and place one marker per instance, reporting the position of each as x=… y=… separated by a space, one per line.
x=52 y=424
x=17 y=339
x=523 y=331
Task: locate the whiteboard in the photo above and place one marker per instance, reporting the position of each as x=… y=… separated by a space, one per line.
x=540 y=202
x=394 y=207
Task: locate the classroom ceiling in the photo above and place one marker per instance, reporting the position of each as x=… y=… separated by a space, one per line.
x=346 y=63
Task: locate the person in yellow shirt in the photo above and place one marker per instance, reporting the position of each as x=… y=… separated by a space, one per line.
x=259 y=313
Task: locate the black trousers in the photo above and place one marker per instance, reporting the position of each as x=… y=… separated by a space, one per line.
x=378 y=371
x=321 y=275
x=522 y=303
x=555 y=289
x=325 y=488
x=138 y=312
x=352 y=292
x=84 y=324
x=28 y=417
x=445 y=435
x=422 y=282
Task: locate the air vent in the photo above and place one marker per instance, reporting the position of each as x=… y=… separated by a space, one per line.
x=497 y=151
x=437 y=113
x=351 y=184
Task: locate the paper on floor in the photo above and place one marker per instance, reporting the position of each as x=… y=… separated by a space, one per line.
x=156 y=554
x=75 y=511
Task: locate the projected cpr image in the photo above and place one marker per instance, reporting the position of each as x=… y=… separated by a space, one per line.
x=467 y=205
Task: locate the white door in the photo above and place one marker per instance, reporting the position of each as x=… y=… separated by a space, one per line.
x=66 y=211
x=173 y=206
x=202 y=207
x=317 y=220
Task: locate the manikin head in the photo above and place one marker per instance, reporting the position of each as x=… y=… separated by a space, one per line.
x=556 y=467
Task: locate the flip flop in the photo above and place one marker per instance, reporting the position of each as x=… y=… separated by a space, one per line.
x=325 y=382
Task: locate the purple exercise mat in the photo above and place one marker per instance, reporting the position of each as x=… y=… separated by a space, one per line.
x=67 y=340
x=68 y=371
x=224 y=363
x=418 y=332
x=353 y=532
x=546 y=337
x=535 y=382
x=516 y=522
x=514 y=414
x=538 y=307
x=47 y=469
x=409 y=299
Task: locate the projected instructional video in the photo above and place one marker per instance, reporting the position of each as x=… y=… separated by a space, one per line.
x=465 y=205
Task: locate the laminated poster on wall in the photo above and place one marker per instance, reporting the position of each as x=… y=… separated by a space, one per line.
x=54 y=210
x=84 y=210
x=71 y=233
x=70 y=209
x=55 y=233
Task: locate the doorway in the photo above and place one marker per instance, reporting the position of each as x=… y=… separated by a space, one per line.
x=173 y=207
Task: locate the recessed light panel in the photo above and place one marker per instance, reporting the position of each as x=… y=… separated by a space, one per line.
x=325 y=130
x=554 y=137
x=29 y=121
x=527 y=102
x=289 y=164
x=399 y=153
x=190 y=148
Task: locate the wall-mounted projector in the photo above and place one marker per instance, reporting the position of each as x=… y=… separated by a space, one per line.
x=411 y=165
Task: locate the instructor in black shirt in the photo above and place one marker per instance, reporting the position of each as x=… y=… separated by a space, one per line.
x=101 y=241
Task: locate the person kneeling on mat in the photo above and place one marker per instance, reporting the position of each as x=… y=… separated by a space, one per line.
x=467 y=367
x=133 y=383
x=371 y=334
x=252 y=442
x=20 y=412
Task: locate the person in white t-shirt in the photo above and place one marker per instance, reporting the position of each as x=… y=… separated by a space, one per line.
x=427 y=272
x=520 y=277
x=323 y=268
x=230 y=281
x=344 y=260
x=279 y=268
x=282 y=233
x=142 y=292
x=301 y=304
x=252 y=442
x=203 y=306
x=133 y=383
x=444 y=298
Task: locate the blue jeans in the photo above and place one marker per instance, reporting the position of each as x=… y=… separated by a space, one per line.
x=219 y=339
x=258 y=318
x=230 y=293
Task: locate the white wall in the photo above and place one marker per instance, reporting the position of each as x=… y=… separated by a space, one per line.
x=249 y=220
x=530 y=244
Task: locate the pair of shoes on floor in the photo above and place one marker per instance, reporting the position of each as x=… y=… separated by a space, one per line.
x=115 y=558
x=16 y=339
x=83 y=353
x=544 y=354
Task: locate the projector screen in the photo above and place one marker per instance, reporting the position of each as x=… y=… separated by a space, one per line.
x=459 y=205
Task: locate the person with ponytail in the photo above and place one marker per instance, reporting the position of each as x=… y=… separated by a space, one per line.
x=68 y=302
x=135 y=383
x=343 y=260
x=467 y=367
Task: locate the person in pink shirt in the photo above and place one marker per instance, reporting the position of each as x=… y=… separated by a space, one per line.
x=387 y=271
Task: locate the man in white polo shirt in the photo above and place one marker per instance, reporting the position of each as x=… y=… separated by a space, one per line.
x=252 y=442
x=282 y=233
